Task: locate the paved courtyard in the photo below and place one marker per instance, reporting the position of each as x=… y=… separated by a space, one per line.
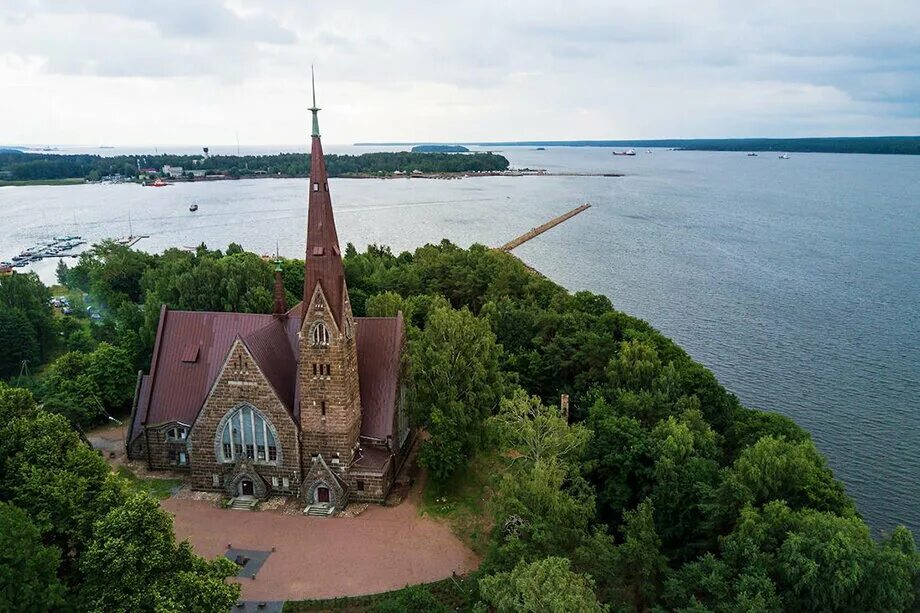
x=383 y=548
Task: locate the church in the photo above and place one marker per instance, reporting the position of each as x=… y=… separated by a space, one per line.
x=304 y=402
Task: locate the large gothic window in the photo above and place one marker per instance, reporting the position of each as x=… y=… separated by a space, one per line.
x=320 y=334
x=246 y=434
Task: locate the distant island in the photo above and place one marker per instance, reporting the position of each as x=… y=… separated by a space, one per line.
x=439 y=149
x=18 y=168
x=894 y=145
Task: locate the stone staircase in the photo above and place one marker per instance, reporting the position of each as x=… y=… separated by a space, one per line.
x=243 y=503
x=319 y=510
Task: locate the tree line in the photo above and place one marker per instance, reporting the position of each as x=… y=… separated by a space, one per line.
x=38 y=166
x=655 y=490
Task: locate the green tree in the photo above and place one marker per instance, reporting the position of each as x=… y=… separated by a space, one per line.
x=62 y=483
x=412 y=599
x=639 y=562
x=457 y=383
x=26 y=294
x=541 y=511
x=134 y=564
x=388 y=304
x=28 y=569
x=18 y=341
x=619 y=461
x=776 y=469
x=543 y=586
x=824 y=562
x=537 y=431
x=635 y=367
x=15 y=402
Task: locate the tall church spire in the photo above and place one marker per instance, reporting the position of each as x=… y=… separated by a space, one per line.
x=314 y=109
x=323 y=262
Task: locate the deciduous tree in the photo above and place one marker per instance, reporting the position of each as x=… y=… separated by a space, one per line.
x=542 y=586
x=28 y=569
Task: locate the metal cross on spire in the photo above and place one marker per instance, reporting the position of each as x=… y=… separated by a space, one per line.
x=314 y=109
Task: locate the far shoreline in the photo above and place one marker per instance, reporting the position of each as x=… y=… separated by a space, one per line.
x=423 y=175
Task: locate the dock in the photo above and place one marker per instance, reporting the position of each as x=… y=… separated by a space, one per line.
x=534 y=232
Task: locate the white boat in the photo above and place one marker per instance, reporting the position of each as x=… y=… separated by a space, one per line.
x=752 y=155
x=784 y=156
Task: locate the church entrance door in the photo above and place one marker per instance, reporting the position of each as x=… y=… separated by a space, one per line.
x=246 y=487
x=322 y=494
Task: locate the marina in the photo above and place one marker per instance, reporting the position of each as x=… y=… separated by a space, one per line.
x=58 y=247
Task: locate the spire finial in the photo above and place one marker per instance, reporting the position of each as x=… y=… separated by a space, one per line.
x=314 y=109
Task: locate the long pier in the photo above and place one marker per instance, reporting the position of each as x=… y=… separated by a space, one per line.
x=534 y=232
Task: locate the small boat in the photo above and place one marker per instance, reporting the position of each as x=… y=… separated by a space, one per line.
x=784 y=156
x=193 y=207
x=159 y=183
x=627 y=152
x=752 y=155
x=648 y=150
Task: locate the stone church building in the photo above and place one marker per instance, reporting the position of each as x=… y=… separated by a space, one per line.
x=305 y=402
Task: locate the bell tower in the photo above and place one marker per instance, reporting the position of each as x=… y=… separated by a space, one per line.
x=327 y=379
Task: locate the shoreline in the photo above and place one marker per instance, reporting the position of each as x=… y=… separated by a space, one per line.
x=423 y=175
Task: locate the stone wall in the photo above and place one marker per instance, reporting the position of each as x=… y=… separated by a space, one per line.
x=239 y=383
x=163 y=452
x=374 y=485
x=330 y=399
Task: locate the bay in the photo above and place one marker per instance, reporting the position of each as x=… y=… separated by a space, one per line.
x=796 y=281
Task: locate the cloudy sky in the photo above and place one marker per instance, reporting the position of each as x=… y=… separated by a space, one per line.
x=198 y=71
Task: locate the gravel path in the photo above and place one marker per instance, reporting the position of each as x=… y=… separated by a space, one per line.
x=382 y=549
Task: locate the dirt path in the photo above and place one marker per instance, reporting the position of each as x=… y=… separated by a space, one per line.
x=382 y=549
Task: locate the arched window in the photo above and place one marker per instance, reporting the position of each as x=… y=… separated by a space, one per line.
x=320 y=334
x=247 y=435
x=349 y=329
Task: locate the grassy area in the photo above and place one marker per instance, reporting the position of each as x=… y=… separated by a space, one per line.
x=463 y=501
x=159 y=488
x=453 y=592
x=73 y=181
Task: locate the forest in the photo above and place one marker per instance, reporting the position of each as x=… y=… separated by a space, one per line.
x=654 y=490
x=41 y=166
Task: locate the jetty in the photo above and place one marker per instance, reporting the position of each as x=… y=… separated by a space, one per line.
x=534 y=232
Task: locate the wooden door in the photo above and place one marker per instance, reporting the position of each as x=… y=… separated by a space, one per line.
x=246 y=487
x=322 y=494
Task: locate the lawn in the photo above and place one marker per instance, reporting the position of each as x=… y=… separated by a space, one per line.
x=463 y=501
x=158 y=488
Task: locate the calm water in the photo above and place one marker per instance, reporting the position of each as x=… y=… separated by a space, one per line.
x=796 y=281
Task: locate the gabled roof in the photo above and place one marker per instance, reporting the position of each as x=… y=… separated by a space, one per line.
x=176 y=390
x=191 y=348
x=380 y=341
x=271 y=349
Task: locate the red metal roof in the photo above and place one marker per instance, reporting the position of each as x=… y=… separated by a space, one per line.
x=175 y=390
x=380 y=342
x=178 y=389
x=271 y=349
x=323 y=262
